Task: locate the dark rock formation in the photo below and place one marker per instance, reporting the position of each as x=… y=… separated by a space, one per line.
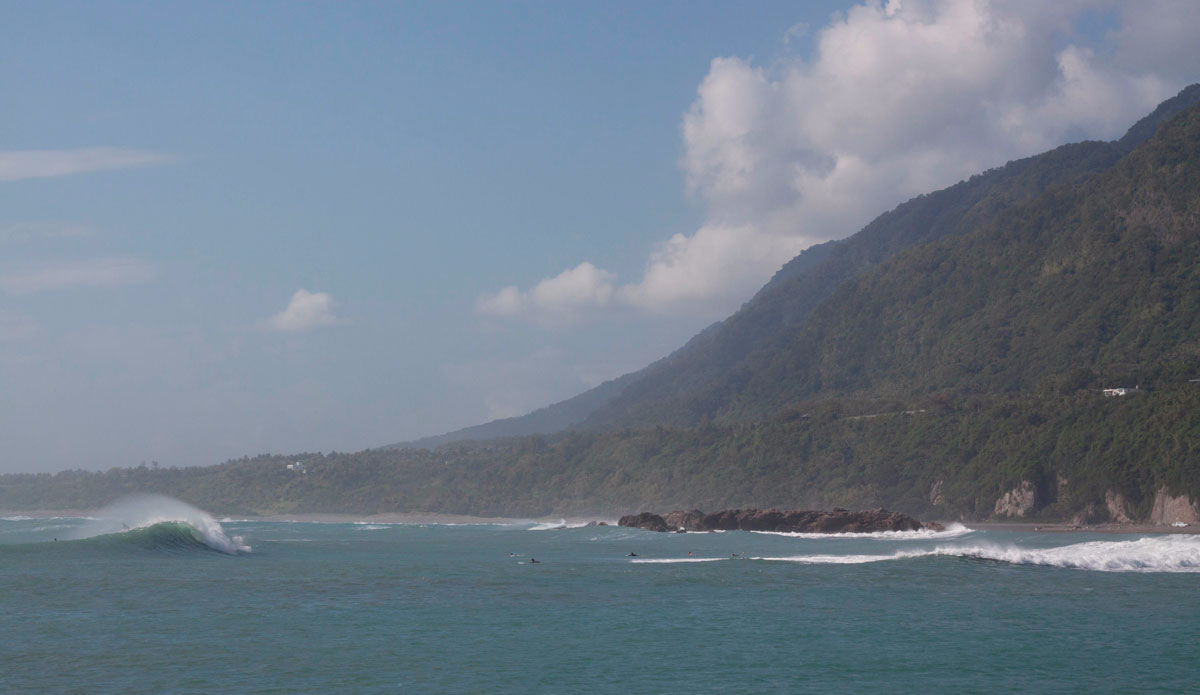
x=690 y=520
x=645 y=520
x=834 y=521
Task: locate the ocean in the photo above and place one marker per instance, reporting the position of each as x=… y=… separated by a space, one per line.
x=154 y=596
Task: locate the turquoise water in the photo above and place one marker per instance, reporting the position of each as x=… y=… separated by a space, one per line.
x=189 y=607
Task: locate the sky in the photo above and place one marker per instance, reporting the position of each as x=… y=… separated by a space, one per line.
x=238 y=228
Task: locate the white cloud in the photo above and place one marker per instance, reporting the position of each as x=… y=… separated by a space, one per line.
x=113 y=271
x=796 y=31
x=897 y=99
x=560 y=298
x=31 y=164
x=306 y=311
x=44 y=229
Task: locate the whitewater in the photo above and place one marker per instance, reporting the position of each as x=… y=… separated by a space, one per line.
x=155 y=596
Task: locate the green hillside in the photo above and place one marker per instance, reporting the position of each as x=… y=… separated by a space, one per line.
x=772 y=353
x=695 y=382
x=950 y=353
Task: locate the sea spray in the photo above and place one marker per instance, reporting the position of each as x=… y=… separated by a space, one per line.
x=144 y=510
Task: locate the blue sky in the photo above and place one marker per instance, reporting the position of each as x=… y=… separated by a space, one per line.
x=237 y=228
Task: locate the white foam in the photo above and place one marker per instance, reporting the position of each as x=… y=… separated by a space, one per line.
x=549 y=525
x=952 y=531
x=363 y=526
x=142 y=511
x=840 y=559
x=1176 y=553
x=16 y=518
x=676 y=560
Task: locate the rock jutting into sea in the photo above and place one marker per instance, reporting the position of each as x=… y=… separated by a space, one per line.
x=836 y=520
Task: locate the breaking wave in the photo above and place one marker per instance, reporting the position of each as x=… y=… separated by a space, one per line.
x=157 y=521
x=675 y=560
x=842 y=559
x=952 y=531
x=557 y=525
x=1152 y=554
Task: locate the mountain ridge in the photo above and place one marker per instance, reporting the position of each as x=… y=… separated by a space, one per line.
x=675 y=390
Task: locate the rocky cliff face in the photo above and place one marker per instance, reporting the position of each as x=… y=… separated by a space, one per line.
x=835 y=521
x=1169 y=510
x=1017 y=501
x=1118 y=509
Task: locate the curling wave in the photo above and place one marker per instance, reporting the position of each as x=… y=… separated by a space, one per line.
x=157 y=521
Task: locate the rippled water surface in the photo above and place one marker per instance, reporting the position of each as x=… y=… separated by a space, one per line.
x=163 y=601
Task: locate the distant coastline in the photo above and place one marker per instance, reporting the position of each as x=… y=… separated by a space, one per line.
x=437 y=518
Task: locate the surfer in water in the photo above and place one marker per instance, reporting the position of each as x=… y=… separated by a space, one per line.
x=632 y=554
x=533 y=561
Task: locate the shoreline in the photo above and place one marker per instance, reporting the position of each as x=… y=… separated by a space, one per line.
x=465 y=519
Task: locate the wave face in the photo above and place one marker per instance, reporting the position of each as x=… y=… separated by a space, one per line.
x=161 y=522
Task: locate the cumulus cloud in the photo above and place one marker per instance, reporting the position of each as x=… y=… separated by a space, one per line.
x=896 y=99
x=306 y=311
x=31 y=164
x=560 y=298
x=113 y=271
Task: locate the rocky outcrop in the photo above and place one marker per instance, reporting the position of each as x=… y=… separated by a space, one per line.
x=1118 y=508
x=689 y=520
x=1017 y=501
x=1169 y=510
x=645 y=520
x=834 y=521
x=935 y=493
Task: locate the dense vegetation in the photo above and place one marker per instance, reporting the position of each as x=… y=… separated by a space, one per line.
x=952 y=350
x=949 y=460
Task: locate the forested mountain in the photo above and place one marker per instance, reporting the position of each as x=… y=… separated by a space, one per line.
x=1088 y=282
x=717 y=373
x=946 y=361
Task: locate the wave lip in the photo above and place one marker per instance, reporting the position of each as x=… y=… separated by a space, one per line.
x=158 y=520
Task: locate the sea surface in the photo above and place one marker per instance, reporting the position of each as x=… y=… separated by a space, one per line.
x=154 y=596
